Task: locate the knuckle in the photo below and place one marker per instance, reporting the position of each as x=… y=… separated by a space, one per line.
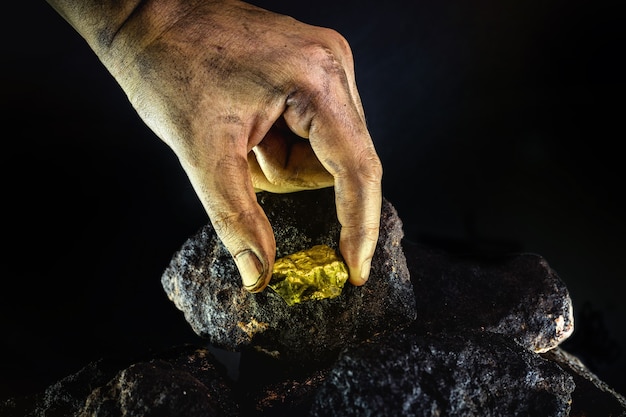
x=365 y=170
x=358 y=238
x=327 y=58
x=371 y=167
x=321 y=74
x=338 y=42
x=229 y=226
x=225 y=224
x=369 y=232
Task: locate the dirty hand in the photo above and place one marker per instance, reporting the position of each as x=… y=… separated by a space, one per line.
x=248 y=100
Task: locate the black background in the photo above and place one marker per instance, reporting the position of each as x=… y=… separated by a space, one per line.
x=500 y=127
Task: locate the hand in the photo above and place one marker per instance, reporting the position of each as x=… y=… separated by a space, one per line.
x=251 y=100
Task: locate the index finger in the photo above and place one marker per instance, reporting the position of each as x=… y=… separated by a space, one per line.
x=328 y=111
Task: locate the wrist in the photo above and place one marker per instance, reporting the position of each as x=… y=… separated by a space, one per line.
x=118 y=30
x=96 y=21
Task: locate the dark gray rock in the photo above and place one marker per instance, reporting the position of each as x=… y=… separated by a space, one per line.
x=470 y=374
x=454 y=374
x=269 y=389
x=592 y=396
x=186 y=381
x=518 y=295
x=203 y=282
x=65 y=397
x=485 y=342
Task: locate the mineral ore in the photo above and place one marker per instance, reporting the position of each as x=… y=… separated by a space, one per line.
x=310 y=274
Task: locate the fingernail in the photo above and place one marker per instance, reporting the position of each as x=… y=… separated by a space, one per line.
x=251 y=270
x=365 y=269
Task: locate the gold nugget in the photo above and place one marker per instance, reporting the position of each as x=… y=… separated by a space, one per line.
x=311 y=274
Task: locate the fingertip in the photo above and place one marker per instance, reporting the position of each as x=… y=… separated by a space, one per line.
x=356 y=281
x=365 y=269
x=359 y=276
x=253 y=271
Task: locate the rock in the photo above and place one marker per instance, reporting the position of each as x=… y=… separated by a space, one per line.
x=519 y=295
x=398 y=374
x=203 y=282
x=269 y=389
x=162 y=388
x=469 y=374
x=65 y=397
x=182 y=381
x=430 y=334
x=592 y=397
x=290 y=397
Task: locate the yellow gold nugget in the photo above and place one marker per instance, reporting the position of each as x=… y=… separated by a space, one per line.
x=311 y=274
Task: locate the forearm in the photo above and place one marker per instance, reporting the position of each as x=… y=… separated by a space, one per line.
x=115 y=28
x=95 y=20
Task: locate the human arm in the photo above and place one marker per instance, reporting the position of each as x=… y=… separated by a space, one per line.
x=248 y=100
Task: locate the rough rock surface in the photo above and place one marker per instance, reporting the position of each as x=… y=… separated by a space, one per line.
x=404 y=374
x=203 y=282
x=473 y=374
x=592 y=397
x=182 y=381
x=66 y=396
x=519 y=295
x=162 y=388
x=269 y=389
x=459 y=337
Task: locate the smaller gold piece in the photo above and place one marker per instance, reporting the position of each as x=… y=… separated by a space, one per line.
x=311 y=274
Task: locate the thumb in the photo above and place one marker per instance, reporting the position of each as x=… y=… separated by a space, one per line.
x=225 y=189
